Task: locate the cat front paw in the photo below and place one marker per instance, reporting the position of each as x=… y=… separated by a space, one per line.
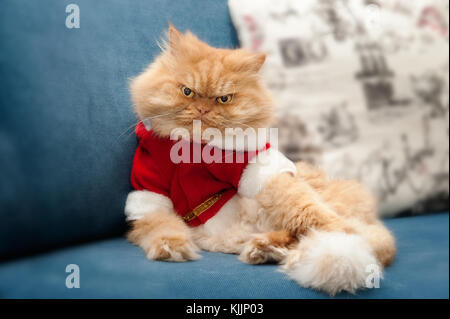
x=172 y=248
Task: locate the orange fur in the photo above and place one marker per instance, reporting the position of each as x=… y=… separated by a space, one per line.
x=268 y=247
x=210 y=73
x=293 y=205
x=288 y=210
x=163 y=236
x=313 y=201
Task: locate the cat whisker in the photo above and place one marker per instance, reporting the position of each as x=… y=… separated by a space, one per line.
x=149 y=118
x=128 y=128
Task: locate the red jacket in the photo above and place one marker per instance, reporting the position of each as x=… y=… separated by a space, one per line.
x=202 y=187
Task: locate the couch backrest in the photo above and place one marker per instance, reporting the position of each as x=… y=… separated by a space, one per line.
x=66 y=123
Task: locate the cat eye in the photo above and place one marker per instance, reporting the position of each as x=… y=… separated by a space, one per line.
x=224 y=99
x=187 y=91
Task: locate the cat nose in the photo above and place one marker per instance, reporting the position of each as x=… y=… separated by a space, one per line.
x=202 y=109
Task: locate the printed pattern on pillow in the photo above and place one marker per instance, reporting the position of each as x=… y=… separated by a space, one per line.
x=362 y=89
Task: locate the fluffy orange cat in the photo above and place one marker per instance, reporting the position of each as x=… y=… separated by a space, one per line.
x=324 y=232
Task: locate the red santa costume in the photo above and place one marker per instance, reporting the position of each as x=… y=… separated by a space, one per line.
x=196 y=189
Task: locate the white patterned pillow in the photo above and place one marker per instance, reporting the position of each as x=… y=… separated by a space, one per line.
x=362 y=88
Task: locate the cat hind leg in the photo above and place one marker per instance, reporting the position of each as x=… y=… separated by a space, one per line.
x=267 y=247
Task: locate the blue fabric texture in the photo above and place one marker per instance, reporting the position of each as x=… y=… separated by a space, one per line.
x=66 y=122
x=66 y=145
x=116 y=269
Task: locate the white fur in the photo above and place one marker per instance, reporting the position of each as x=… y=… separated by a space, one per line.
x=266 y=165
x=330 y=262
x=224 y=219
x=228 y=230
x=144 y=202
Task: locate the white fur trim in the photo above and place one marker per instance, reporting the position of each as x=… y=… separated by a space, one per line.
x=331 y=262
x=267 y=164
x=144 y=202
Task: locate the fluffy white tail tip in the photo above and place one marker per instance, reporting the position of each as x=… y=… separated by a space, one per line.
x=331 y=262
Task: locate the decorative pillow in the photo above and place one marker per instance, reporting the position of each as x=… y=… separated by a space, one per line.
x=362 y=88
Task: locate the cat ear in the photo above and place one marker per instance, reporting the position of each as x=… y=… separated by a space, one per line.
x=175 y=37
x=244 y=61
x=258 y=61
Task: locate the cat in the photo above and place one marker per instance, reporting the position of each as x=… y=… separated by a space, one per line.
x=323 y=232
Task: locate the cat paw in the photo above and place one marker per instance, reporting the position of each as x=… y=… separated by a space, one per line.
x=253 y=255
x=172 y=248
x=268 y=247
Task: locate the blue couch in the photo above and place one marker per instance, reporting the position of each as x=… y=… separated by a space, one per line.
x=66 y=145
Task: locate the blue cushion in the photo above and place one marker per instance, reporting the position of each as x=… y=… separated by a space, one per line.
x=116 y=269
x=65 y=151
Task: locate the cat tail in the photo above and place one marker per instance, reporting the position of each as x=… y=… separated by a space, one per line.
x=332 y=262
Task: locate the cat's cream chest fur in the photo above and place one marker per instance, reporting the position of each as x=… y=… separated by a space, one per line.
x=231 y=227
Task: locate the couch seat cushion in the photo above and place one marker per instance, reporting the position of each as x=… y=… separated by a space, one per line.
x=115 y=269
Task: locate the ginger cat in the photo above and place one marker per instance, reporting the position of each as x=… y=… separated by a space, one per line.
x=324 y=232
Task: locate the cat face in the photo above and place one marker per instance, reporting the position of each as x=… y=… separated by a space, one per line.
x=191 y=80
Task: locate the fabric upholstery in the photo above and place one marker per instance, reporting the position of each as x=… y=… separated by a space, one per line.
x=66 y=123
x=66 y=147
x=116 y=269
x=362 y=89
